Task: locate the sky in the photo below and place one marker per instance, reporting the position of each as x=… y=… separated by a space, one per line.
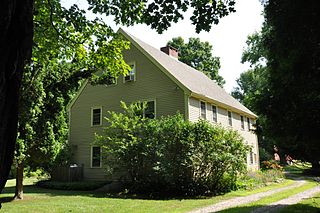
x=227 y=38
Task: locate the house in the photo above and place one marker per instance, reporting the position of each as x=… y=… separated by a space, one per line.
x=169 y=86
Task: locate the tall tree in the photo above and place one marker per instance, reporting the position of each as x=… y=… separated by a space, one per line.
x=16 y=40
x=198 y=55
x=292 y=101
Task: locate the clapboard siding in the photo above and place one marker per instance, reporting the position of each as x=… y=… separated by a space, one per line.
x=151 y=84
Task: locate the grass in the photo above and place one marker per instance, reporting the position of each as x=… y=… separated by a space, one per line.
x=298 y=167
x=310 y=205
x=270 y=199
x=49 y=200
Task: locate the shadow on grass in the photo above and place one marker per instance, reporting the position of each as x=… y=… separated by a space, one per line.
x=296 y=208
x=30 y=190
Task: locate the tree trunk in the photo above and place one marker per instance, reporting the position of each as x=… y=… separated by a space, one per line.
x=19 y=182
x=16 y=34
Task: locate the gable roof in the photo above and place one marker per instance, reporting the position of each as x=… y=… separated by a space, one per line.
x=188 y=78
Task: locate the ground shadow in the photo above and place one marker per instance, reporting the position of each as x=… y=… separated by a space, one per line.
x=296 y=208
x=33 y=189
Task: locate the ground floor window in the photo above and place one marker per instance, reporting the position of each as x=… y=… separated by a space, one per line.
x=95 y=156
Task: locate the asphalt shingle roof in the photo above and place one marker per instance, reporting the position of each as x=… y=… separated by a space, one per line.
x=195 y=81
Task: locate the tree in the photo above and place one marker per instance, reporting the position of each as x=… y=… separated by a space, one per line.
x=16 y=41
x=292 y=101
x=198 y=55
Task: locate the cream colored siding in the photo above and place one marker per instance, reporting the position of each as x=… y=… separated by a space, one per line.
x=150 y=84
x=222 y=118
x=194 y=109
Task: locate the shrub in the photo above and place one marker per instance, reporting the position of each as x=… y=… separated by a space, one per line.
x=254 y=179
x=271 y=164
x=172 y=155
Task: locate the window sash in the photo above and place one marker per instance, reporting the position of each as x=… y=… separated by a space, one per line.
x=149 y=111
x=96 y=116
x=214 y=113
x=203 y=109
x=230 y=118
x=95 y=157
x=242 y=122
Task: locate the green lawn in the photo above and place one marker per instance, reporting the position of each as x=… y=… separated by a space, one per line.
x=311 y=205
x=270 y=199
x=46 y=200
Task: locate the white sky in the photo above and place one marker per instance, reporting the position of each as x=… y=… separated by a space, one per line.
x=227 y=38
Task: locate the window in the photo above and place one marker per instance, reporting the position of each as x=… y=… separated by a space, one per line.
x=149 y=110
x=242 y=122
x=131 y=76
x=251 y=157
x=214 y=114
x=248 y=122
x=230 y=118
x=96 y=116
x=203 y=110
x=95 y=157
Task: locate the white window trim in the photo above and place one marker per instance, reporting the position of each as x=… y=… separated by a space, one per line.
x=231 y=117
x=135 y=72
x=95 y=167
x=212 y=105
x=205 y=104
x=91 y=121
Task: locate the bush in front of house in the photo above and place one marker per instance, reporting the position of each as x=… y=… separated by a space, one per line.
x=171 y=155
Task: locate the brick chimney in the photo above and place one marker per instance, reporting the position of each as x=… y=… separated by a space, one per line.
x=171 y=51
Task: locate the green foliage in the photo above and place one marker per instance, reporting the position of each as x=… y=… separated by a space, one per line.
x=170 y=154
x=74 y=186
x=198 y=55
x=160 y=14
x=255 y=179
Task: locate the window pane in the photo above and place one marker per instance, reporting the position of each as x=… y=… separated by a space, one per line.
x=96 y=117
x=230 y=118
x=131 y=75
x=214 y=114
x=248 y=122
x=96 y=157
x=203 y=109
x=149 y=112
x=242 y=122
x=251 y=157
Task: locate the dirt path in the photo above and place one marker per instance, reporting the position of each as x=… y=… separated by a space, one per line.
x=276 y=206
x=246 y=199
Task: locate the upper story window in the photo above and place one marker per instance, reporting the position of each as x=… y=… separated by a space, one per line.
x=96 y=116
x=131 y=76
x=230 y=118
x=242 y=122
x=248 y=122
x=214 y=114
x=203 y=110
x=95 y=157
